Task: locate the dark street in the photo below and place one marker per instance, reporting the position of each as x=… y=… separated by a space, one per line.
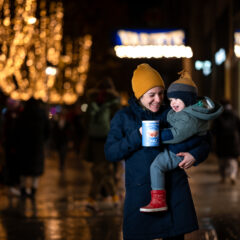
x=59 y=211
x=78 y=79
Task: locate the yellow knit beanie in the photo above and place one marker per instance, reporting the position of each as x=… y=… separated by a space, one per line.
x=144 y=78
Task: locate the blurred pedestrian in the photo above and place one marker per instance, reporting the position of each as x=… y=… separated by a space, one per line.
x=33 y=131
x=60 y=134
x=11 y=169
x=103 y=101
x=226 y=130
x=78 y=129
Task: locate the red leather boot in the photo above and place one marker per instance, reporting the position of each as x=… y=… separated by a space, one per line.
x=158 y=202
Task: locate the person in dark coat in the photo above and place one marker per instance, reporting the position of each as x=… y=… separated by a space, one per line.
x=226 y=130
x=33 y=131
x=124 y=141
x=10 y=118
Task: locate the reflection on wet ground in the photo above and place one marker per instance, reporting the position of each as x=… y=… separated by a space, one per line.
x=59 y=211
x=217 y=204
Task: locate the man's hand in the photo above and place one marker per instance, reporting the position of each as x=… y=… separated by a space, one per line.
x=140 y=130
x=187 y=161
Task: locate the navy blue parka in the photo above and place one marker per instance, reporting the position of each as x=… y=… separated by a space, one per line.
x=124 y=142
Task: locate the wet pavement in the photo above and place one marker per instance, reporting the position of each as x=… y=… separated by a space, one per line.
x=59 y=210
x=217 y=204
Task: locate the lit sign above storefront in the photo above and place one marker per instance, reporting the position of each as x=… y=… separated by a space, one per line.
x=237 y=43
x=154 y=44
x=151 y=38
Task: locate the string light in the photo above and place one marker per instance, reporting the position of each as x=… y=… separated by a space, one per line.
x=31 y=60
x=237 y=43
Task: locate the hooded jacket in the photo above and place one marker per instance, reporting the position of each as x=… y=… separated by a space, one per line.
x=193 y=120
x=125 y=142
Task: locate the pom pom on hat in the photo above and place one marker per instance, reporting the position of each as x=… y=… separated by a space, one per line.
x=144 y=78
x=184 y=88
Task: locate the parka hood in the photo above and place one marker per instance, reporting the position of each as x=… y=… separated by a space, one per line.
x=205 y=109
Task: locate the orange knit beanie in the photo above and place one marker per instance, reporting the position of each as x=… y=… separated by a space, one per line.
x=144 y=78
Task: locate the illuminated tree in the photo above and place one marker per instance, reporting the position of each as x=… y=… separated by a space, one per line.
x=31 y=59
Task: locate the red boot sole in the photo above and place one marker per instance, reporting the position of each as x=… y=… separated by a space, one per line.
x=153 y=210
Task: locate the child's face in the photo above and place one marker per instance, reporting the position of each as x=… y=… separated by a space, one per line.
x=176 y=104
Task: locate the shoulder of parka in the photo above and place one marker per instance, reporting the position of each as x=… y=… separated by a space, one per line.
x=124 y=113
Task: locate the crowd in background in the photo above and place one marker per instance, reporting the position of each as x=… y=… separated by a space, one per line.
x=32 y=129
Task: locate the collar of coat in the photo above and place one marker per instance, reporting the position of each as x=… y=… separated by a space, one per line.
x=142 y=112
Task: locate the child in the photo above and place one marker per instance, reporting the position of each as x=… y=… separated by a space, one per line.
x=187 y=118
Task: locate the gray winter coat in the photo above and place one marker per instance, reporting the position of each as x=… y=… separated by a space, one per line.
x=192 y=120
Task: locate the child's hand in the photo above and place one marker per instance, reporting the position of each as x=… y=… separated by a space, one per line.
x=187 y=161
